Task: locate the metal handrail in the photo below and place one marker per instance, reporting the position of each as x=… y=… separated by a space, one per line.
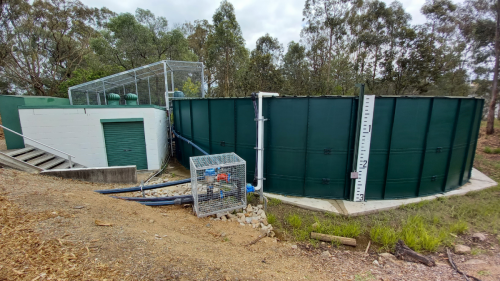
x=67 y=154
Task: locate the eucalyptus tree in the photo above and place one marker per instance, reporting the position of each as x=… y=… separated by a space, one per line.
x=264 y=69
x=198 y=43
x=131 y=41
x=43 y=42
x=325 y=33
x=226 y=50
x=296 y=71
x=480 y=25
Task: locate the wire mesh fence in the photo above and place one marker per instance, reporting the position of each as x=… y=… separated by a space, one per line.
x=218 y=183
x=148 y=82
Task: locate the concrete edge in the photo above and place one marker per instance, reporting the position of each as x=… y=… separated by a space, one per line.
x=115 y=174
x=478 y=181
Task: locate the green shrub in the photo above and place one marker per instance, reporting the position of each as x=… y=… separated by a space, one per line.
x=271 y=218
x=488 y=150
x=294 y=220
x=384 y=235
x=459 y=227
x=496 y=150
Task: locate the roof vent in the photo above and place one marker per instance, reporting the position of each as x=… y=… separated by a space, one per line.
x=130 y=99
x=113 y=99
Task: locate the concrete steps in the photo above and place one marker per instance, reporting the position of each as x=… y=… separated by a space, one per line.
x=31 y=159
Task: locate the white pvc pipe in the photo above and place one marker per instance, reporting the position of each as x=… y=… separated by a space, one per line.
x=260 y=142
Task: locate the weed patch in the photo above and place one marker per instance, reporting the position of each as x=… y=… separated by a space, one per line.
x=294 y=220
x=271 y=218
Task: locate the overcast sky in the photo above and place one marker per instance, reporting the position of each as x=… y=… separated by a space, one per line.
x=280 y=18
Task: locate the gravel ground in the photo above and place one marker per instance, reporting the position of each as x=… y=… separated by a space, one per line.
x=158 y=243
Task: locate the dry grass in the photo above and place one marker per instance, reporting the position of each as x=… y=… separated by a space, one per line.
x=25 y=256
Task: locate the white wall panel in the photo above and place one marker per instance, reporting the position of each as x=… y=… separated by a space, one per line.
x=79 y=131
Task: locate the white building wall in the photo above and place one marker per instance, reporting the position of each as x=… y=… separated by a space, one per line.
x=78 y=131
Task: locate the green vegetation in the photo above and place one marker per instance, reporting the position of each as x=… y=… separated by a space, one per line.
x=273 y=202
x=490 y=150
x=294 y=220
x=271 y=218
x=425 y=226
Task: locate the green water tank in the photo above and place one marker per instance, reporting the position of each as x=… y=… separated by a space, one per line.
x=130 y=99
x=178 y=94
x=113 y=99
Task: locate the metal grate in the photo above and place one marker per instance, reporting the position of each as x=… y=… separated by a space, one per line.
x=218 y=183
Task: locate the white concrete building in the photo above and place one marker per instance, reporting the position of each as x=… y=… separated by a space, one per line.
x=101 y=136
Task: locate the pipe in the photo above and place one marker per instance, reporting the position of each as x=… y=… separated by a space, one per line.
x=138 y=188
x=190 y=142
x=150 y=199
x=260 y=143
x=159 y=203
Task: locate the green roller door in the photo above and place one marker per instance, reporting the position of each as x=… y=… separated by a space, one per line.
x=125 y=144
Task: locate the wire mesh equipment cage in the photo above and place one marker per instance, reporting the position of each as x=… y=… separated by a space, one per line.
x=218 y=183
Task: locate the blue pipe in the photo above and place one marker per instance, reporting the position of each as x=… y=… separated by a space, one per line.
x=158 y=203
x=145 y=199
x=190 y=142
x=138 y=188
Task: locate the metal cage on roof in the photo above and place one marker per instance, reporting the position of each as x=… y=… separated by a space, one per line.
x=150 y=83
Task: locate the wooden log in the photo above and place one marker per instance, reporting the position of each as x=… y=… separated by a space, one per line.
x=403 y=252
x=330 y=238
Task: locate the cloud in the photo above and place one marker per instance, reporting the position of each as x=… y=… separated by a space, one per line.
x=279 y=18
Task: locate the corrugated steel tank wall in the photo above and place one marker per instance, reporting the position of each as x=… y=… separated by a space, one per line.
x=420 y=145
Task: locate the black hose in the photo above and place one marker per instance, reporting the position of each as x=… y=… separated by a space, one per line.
x=177 y=201
x=138 y=188
x=190 y=142
x=148 y=199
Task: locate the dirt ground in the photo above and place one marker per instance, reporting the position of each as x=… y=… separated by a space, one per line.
x=49 y=231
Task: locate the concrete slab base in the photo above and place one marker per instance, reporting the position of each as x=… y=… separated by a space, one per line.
x=478 y=181
x=115 y=174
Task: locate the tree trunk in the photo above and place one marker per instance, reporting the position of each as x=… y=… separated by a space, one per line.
x=491 y=111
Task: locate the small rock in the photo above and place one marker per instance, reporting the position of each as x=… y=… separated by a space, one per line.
x=249 y=208
x=223 y=218
x=474 y=261
x=387 y=256
x=325 y=254
x=242 y=224
x=223 y=234
x=315 y=225
x=264 y=221
x=220 y=215
x=260 y=206
x=272 y=234
x=375 y=262
x=254 y=221
x=78 y=207
x=263 y=216
x=248 y=220
x=476 y=237
x=259 y=212
x=294 y=246
x=208 y=225
x=264 y=232
x=231 y=216
x=151 y=221
x=462 y=249
x=239 y=215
